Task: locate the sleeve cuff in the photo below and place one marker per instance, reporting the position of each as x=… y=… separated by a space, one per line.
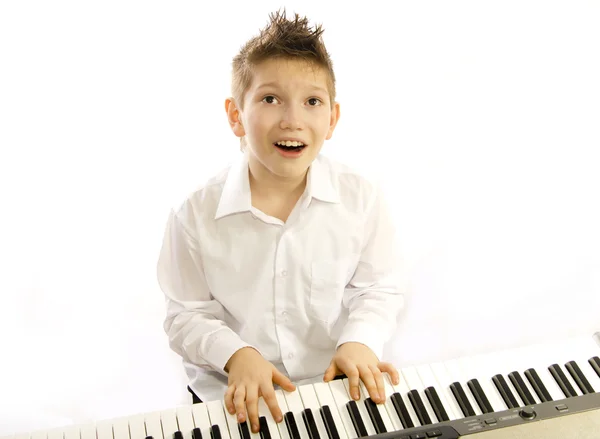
x=221 y=346
x=359 y=333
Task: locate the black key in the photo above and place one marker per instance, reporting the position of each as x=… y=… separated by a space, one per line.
x=402 y=411
x=177 y=435
x=505 y=392
x=264 y=428
x=215 y=432
x=538 y=385
x=436 y=404
x=580 y=379
x=329 y=422
x=562 y=381
x=595 y=363
x=149 y=437
x=290 y=422
x=461 y=399
x=196 y=433
x=311 y=425
x=357 y=421
x=243 y=430
x=417 y=404
x=521 y=388
x=480 y=397
x=375 y=416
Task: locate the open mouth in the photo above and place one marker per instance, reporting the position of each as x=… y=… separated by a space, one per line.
x=289 y=148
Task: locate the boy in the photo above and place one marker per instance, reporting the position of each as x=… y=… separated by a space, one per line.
x=281 y=267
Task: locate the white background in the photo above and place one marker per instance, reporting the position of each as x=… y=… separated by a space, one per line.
x=480 y=118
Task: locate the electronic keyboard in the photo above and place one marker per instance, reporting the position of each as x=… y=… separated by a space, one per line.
x=541 y=391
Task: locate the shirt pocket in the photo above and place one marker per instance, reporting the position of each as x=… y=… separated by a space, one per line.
x=327 y=284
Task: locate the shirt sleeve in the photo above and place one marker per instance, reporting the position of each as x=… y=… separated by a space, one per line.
x=194 y=322
x=373 y=296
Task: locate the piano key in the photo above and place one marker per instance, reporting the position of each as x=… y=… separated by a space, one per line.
x=402 y=390
x=153 y=426
x=215 y=432
x=562 y=381
x=362 y=409
x=265 y=431
x=325 y=398
x=579 y=378
x=462 y=399
x=310 y=401
x=517 y=380
x=104 y=430
x=383 y=414
x=264 y=412
x=137 y=427
x=414 y=383
x=429 y=381
x=480 y=396
x=441 y=375
x=538 y=357
x=357 y=421
x=294 y=403
x=120 y=429
x=402 y=411
x=375 y=417
x=282 y=426
x=582 y=349
x=538 y=385
x=457 y=376
x=196 y=433
x=185 y=421
x=505 y=391
x=177 y=435
x=72 y=432
x=595 y=363
x=332 y=430
x=216 y=413
x=168 y=419
x=482 y=367
x=340 y=395
x=311 y=425
x=417 y=403
x=201 y=419
x=389 y=405
x=292 y=426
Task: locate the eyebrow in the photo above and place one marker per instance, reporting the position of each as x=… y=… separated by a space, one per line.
x=275 y=85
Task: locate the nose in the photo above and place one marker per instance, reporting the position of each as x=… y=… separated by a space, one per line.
x=290 y=119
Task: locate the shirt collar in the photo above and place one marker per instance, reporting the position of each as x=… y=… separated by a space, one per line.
x=321 y=184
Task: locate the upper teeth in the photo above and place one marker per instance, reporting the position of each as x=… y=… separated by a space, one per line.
x=288 y=143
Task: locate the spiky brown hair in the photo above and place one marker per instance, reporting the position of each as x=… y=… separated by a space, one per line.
x=284 y=39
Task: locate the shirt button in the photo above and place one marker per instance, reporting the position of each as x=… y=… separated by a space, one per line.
x=290 y=356
x=284 y=273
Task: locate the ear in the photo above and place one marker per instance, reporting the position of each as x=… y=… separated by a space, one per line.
x=335 y=116
x=234 y=116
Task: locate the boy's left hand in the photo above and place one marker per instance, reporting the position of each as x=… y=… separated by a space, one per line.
x=358 y=362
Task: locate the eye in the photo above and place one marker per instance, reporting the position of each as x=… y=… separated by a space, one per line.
x=269 y=99
x=318 y=101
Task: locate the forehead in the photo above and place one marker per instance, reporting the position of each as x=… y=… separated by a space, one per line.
x=285 y=73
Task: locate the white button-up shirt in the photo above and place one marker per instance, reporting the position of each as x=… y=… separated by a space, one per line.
x=234 y=276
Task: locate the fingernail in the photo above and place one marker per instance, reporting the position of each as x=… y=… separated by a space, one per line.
x=356 y=395
x=377 y=397
x=255 y=428
x=278 y=419
x=240 y=417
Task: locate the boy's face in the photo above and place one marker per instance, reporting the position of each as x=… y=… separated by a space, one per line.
x=286 y=100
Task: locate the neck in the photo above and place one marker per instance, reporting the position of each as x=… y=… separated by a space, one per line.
x=265 y=184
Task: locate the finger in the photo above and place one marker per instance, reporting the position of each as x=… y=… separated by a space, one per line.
x=391 y=370
x=252 y=407
x=229 y=399
x=366 y=376
x=378 y=377
x=331 y=372
x=353 y=382
x=239 y=401
x=283 y=381
x=270 y=399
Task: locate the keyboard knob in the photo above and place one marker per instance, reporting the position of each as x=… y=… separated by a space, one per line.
x=527 y=413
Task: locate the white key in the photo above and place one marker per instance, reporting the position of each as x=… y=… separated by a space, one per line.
x=232 y=424
x=283 y=431
x=341 y=397
x=137 y=428
x=168 y=419
x=88 y=431
x=441 y=374
x=325 y=398
x=361 y=408
x=429 y=379
x=185 y=421
x=104 y=429
x=58 y=433
x=263 y=410
x=153 y=426
x=477 y=367
x=201 y=419
x=414 y=383
x=72 y=432
x=402 y=389
x=120 y=428
x=294 y=403
x=310 y=401
x=216 y=413
x=39 y=435
x=381 y=407
x=456 y=375
x=389 y=405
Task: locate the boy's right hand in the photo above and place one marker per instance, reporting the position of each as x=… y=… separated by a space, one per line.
x=251 y=376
